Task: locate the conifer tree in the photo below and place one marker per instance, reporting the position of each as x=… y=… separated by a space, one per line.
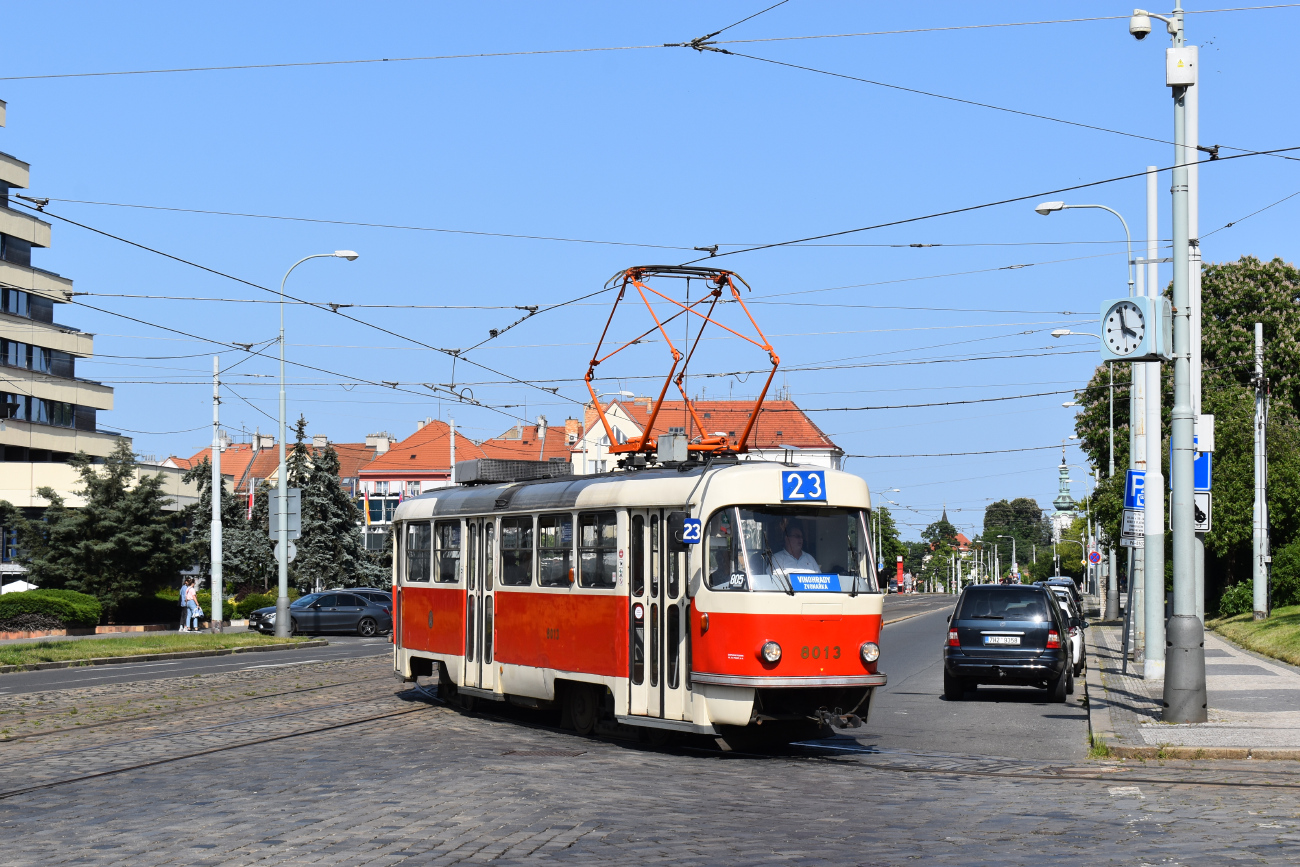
x=246 y=553
x=331 y=552
x=121 y=544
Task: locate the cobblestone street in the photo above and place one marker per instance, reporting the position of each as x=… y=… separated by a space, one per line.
x=286 y=780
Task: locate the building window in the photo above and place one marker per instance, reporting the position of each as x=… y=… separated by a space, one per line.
x=15 y=301
x=16 y=251
x=555 y=550
x=597 y=549
x=517 y=551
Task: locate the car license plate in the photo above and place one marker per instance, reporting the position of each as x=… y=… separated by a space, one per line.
x=1002 y=639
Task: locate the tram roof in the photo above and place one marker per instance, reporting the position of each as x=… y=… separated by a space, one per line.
x=649 y=487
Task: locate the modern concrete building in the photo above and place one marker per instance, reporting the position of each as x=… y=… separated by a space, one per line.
x=49 y=413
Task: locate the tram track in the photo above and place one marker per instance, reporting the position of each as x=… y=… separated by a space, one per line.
x=182 y=732
x=10 y=793
x=4 y=739
x=1046 y=773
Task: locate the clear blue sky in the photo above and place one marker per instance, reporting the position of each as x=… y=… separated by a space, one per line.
x=655 y=146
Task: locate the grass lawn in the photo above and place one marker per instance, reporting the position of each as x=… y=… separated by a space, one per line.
x=160 y=642
x=1278 y=636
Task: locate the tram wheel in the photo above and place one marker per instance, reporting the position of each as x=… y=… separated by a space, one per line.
x=583 y=706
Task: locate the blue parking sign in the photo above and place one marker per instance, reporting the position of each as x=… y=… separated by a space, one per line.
x=1135 y=490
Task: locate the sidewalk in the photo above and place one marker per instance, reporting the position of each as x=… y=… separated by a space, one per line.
x=1254 y=705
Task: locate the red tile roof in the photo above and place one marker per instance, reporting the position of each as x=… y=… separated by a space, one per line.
x=780 y=422
x=520 y=444
x=246 y=465
x=428 y=450
x=234 y=460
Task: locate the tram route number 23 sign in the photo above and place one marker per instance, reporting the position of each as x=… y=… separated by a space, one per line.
x=801 y=486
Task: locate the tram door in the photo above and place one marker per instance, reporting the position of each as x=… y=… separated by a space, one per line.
x=480 y=571
x=656 y=593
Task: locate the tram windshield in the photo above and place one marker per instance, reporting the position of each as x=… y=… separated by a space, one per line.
x=788 y=549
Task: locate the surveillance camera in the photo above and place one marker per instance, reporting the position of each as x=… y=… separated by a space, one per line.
x=1140 y=24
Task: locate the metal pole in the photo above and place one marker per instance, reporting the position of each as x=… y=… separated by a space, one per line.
x=1259 y=536
x=216 y=492
x=1194 y=290
x=452 y=424
x=1111 y=607
x=1184 y=693
x=282 y=627
x=1148 y=607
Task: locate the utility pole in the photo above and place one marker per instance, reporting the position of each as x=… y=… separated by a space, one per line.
x=218 y=606
x=1259 y=538
x=1184 y=693
x=1192 y=148
x=451 y=423
x=1151 y=602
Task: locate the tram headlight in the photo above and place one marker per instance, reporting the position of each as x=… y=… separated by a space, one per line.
x=771 y=651
x=870 y=651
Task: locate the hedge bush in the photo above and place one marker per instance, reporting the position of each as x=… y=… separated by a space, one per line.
x=72 y=609
x=1237 y=599
x=254 y=601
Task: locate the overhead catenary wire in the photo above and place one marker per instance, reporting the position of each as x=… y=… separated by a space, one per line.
x=539 y=52
x=455 y=354
x=983 y=205
x=208 y=212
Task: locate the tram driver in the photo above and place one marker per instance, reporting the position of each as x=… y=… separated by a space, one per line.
x=793 y=558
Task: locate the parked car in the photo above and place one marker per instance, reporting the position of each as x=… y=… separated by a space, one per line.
x=374 y=594
x=1067 y=584
x=1007 y=635
x=331 y=611
x=1076 y=624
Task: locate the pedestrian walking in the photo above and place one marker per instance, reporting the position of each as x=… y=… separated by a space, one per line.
x=184 y=606
x=192 y=602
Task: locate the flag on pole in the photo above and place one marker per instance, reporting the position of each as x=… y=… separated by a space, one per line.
x=250 y=502
x=367 y=509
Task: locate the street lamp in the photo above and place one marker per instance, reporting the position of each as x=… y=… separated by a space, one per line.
x=282 y=624
x=1014 y=565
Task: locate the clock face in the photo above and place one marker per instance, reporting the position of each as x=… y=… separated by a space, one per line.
x=1124 y=328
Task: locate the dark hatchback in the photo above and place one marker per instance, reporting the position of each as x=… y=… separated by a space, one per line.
x=331 y=611
x=1007 y=635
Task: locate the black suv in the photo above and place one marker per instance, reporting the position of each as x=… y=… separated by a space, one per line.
x=1007 y=635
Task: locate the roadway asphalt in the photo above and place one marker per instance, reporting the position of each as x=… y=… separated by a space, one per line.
x=340 y=647
x=911 y=714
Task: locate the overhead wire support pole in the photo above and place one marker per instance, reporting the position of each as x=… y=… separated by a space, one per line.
x=1184 y=688
x=1259 y=535
x=215 y=498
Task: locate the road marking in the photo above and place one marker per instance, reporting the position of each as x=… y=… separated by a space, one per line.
x=280 y=664
x=1123 y=791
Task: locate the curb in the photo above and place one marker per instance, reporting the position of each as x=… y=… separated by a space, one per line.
x=154 y=657
x=1204 y=753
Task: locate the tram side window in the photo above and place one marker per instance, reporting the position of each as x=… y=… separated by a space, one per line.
x=597 y=548
x=447 y=535
x=419 y=541
x=723 y=568
x=555 y=550
x=517 y=551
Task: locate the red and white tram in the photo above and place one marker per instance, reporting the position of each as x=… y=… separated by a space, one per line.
x=722 y=597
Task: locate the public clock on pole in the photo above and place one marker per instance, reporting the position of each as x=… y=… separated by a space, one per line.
x=1137 y=328
x=1123 y=328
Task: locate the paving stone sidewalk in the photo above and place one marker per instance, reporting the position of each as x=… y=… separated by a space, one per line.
x=1254 y=705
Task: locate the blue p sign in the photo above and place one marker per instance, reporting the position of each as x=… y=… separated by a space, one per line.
x=1135 y=490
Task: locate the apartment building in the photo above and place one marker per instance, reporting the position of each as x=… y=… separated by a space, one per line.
x=47 y=412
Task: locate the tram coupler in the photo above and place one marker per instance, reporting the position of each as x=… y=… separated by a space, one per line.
x=839 y=720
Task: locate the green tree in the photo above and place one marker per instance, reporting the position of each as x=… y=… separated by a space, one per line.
x=1235 y=295
x=889 y=547
x=119 y=546
x=1022 y=520
x=330 y=550
x=247 y=555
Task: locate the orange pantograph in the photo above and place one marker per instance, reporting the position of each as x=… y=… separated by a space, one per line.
x=715 y=278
